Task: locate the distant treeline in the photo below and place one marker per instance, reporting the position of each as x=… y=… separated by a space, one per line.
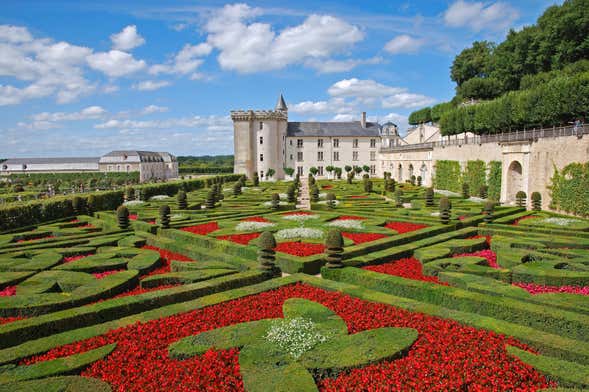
x=208 y=164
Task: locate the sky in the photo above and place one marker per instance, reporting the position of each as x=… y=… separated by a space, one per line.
x=81 y=78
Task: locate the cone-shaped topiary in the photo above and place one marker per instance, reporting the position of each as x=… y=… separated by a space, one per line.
x=311 y=180
x=483 y=191
x=419 y=180
x=331 y=200
x=412 y=180
x=291 y=194
x=536 y=201
x=429 y=197
x=390 y=185
x=266 y=253
x=237 y=189
x=210 y=201
x=350 y=177
x=78 y=205
x=399 y=198
x=165 y=216
x=445 y=208
x=182 y=201
x=256 y=179
x=220 y=195
x=367 y=186
x=334 y=244
x=123 y=217
x=275 y=201
x=314 y=194
x=488 y=211
x=129 y=193
x=520 y=199
x=465 y=190
x=91 y=205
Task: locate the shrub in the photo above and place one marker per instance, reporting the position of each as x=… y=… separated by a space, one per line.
x=334 y=244
x=465 y=190
x=483 y=191
x=91 y=204
x=399 y=198
x=266 y=252
x=211 y=199
x=289 y=171
x=488 y=211
x=338 y=172
x=348 y=168
x=448 y=175
x=412 y=180
x=419 y=180
x=237 y=189
x=331 y=200
x=313 y=170
x=78 y=205
x=314 y=193
x=390 y=185
x=569 y=189
x=165 y=216
x=291 y=194
x=350 y=178
x=123 y=217
x=520 y=199
x=275 y=201
x=182 y=200
x=445 y=207
x=270 y=173
x=475 y=175
x=494 y=180
x=256 y=179
x=536 y=201
x=429 y=197
x=130 y=193
x=367 y=186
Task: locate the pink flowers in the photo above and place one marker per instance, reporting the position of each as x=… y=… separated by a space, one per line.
x=534 y=289
x=8 y=291
x=487 y=254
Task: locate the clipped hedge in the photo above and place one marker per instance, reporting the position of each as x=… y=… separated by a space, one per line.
x=448 y=176
x=569 y=189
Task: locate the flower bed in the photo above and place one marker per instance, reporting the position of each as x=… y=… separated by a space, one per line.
x=8 y=291
x=360 y=238
x=300 y=218
x=404 y=227
x=487 y=254
x=327 y=187
x=133 y=217
x=358 y=197
x=297 y=213
x=350 y=217
x=70 y=259
x=409 y=268
x=256 y=219
x=47 y=237
x=301 y=249
x=446 y=356
x=299 y=232
x=6 y=320
x=254 y=226
x=202 y=229
x=347 y=224
x=534 y=289
x=242 y=239
x=100 y=275
x=167 y=257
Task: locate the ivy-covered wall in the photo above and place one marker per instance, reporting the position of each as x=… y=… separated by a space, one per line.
x=569 y=189
x=448 y=176
x=475 y=175
x=494 y=180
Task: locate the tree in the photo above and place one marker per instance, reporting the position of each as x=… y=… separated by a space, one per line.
x=421 y=116
x=182 y=200
x=366 y=168
x=291 y=194
x=165 y=216
x=123 y=217
x=334 y=244
x=289 y=171
x=266 y=252
x=445 y=208
x=270 y=173
x=313 y=170
x=348 y=168
x=338 y=173
x=329 y=169
x=472 y=62
x=479 y=88
x=357 y=169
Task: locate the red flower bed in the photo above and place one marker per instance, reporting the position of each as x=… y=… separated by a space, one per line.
x=404 y=227
x=151 y=222
x=167 y=257
x=486 y=237
x=297 y=213
x=70 y=259
x=8 y=291
x=133 y=216
x=48 y=237
x=447 y=355
x=516 y=222
x=409 y=268
x=358 y=197
x=75 y=221
x=327 y=187
x=487 y=254
x=534 y=289
x=360 y=238
x=350 y=217
x=6 y=320
x=100 y=275
x=242 y=239
x=255 y=219
x=202 y=229
x=301 y=249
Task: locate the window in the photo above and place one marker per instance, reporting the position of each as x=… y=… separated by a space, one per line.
x=319 y=170
x=335 y=143
x=373 y=155
x=336 y=155
x=290 y=142
x=299 y=156
x=261 y=125
x=291 y=157
x=261 y=174
x=355 y=143
x=261 y=139
x=300 y=170
x=320 y=143
x=372 y=143
x=261 y=157
x=372 y=170
x=355 y=155
x=319 y=155
x=299 y=143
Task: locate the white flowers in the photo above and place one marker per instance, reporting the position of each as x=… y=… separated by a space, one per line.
x=446 y=193
x=347 y=224
x=476 y=199
x=253 y=226
x=300 y=217
x=296 y=336
x=269 y=203
x=133 y=203
x=560 y=221
x=159 y=197
x=299 y=232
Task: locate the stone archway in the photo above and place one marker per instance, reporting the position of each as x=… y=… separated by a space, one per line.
x=423 y=171
x=515 y=180
x=400 y=173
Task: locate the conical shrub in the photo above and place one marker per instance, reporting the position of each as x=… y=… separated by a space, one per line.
x=182 y=200
x=78 y=205
x=266 y=252
x=429 y=197
x=314 y=194
x=488 y=211
x=465 y=190
x=520 y=199
x=445 y=208
x=331 y=200
x=237 y=189
x=91 y=205
x=210 y=200
x=123 y=217
x=334 y=244
x=483 y=191
x=165 y=216
x=399 y=198
x=536 y=201
x=291 y=194
x=275 y=203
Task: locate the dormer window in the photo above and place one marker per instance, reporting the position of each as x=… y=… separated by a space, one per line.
x=261 y=125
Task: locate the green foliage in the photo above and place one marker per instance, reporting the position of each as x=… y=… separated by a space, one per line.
x=350 y=177
x=289 y=171
x=520 y=198
x=211 y=199
x=164 y=212
x=314 y=193
x=91 y=204
x=58 y=384
x=256 y=179
x=270 y=173
x=472 y=62
x=182 y=200
x=475 y=174
x=569 y=189
x=412 y=179
x=313 y=170
x=421 y=116
x=488 y=211
x=483 y=192
x=367 y=186
x=237 y=189
x=366 y=169
x=390 y=185
x=123 y=217
x=448 y=176
x=275 y=203
x=266 y=253
x=419 y=180
x=494 y=180
x=479 y=88
x=357 y=169
x=465 y=190
x=338 y=172
x=445 y=207
x=311 y=180
x=130 y=193
x=399 y=198
x=439 y=109
x=429 y=197
x=291 y=194
x=348 y=168
x=331 y=200
x=78 y=205
x=536 y=201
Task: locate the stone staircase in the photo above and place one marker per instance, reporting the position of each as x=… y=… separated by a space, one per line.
x=304 y=200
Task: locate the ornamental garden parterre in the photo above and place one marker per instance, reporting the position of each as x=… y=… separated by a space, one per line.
x=222 y=284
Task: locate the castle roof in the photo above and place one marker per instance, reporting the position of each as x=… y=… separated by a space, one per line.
x=332 y=129
x=281 y=105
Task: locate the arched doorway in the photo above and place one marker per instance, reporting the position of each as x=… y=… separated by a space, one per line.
x=400 y=173
x=514 y=180
x=423 y=171
x=410 y=171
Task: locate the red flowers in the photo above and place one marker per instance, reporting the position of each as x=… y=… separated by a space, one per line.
x=255 y=219
x=8 y=291
x=409 y=268
x=447 y=356
x=167 y=256
x=6 y=320
x=301 y=249
x=47 y=237
x=360 y=238
x=297 y=213
x=327 y=187
x=100 y=275
x=516 y=222
x=350 y=217
x=202 y=229
x=70 y=259
x=133 y=216
x=534 y=289
x=242 y=239
x=358 y=197
x=404 y=227
x=487 y=254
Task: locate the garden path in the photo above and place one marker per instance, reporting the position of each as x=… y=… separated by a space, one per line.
x=304 y=200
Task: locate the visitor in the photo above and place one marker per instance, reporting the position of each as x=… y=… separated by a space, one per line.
x=578 y=128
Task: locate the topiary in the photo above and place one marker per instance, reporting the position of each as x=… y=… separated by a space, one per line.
x=331 y=200
x=237 y=189
x=291 y=194
x=275 y=203
x=429 y=197
x=266 y=253
x=536 y=201
x=465 y=191
x=91 y=204
x=350 y=177
x=123 y=217
x=219 y=192
x=412 y=180
x=390 y=185
x=399 y=198
x=78 y=205
x=334 y=244
x=367 y=186
x=419 y=180
x=483 y=191
x=210 y=200
x=488 y=211
x=165 y=216
x=520 y=199
x=129 y=193
x=256 y=179
x=445 y=208
x=182 y=201
x=311 y=180
x=314 y=193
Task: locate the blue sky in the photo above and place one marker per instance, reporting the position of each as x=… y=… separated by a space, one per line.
x=81 y=78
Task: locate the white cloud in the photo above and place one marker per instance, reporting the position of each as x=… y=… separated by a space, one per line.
x=151 y=85
x=255 y=47
x=115 y=63
x=154 y=109
x=333 y=66
x=361 y=89
x=15 y=34
x=210 y=123
x=186 y=61
x=91 y=112
x=479 y=16
x=407 y=100
x=127 y=39
x=404 y=44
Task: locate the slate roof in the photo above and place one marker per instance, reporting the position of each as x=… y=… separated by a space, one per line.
x=281 y=105
x=332 y=129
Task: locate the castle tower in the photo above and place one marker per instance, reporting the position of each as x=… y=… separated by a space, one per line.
x=259 y=140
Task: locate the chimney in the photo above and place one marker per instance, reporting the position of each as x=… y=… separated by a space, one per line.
x=363 y=121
